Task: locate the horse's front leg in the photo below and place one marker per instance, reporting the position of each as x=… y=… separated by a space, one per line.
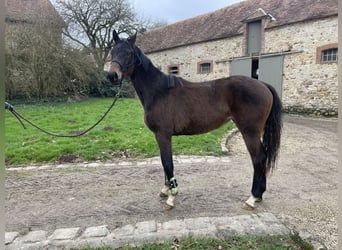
x=170 y=189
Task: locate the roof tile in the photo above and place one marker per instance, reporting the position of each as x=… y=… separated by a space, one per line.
x=227 y=22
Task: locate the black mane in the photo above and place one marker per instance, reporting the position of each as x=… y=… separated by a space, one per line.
x=167 y=81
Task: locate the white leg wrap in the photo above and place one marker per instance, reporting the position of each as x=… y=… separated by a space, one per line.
x=171 y=200
x=170 y=191
x=251 y=201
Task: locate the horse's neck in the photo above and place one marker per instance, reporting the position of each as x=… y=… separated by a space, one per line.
x=147 y=83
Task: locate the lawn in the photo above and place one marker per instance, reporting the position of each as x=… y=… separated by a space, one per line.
x=121 y=134
x=275 y=242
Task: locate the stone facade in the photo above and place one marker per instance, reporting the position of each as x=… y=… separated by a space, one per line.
x=307 y=86
x=188 y=57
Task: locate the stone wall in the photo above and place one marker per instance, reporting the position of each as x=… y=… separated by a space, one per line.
x=187 y=58
x=307 y=87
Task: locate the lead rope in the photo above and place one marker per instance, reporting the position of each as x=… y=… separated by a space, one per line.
x=20 y=118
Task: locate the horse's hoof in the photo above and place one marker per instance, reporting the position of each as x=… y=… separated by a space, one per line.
x=247 y=207
x=250 y=203
x=167 y=207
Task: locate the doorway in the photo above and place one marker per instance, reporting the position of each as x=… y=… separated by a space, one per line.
x=255 y=68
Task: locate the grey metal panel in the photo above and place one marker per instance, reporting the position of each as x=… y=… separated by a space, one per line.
x=271 y=71
x=242 y=67
x=254 y=37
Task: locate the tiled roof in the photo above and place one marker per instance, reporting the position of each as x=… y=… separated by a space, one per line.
x=30 y=10
x=226 y=22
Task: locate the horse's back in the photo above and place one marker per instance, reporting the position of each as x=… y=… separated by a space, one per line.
x=237 y=84
x=231 y=94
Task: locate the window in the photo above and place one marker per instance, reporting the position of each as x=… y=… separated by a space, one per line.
x=173 y=69
x=205 y=67
x=327 y=54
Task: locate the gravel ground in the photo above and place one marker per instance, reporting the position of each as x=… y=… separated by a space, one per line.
x=306 y=178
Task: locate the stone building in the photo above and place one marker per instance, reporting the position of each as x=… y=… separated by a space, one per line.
x=291 y=44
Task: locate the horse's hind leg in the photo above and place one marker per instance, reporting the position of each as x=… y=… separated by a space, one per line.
x=258 y=157
x=170 y=189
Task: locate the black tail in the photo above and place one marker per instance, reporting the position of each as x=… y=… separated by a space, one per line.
x=272 y=131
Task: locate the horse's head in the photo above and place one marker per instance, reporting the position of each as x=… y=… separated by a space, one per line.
x=123 y=58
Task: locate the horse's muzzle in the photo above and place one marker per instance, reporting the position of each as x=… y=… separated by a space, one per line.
x=115 y=74
x=113 y=78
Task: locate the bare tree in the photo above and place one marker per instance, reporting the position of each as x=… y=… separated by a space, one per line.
x=157 y=24
x=90 y=23
x=38 y=66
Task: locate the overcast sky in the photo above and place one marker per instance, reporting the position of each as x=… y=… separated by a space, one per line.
x=173 y=11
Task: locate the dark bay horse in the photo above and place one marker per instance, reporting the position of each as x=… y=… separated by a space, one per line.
x=174 y=106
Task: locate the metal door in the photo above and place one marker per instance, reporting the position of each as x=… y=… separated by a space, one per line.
x=242 y=66
x=271 y=71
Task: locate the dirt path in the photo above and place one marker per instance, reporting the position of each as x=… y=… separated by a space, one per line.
x=302 y=192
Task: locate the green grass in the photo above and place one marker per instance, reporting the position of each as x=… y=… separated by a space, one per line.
x=277 y=242
x=121 y=133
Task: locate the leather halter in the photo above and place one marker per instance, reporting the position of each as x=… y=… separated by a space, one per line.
x=132 y=62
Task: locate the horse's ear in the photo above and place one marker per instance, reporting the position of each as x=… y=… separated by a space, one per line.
x=132 y=39
x=116 y=37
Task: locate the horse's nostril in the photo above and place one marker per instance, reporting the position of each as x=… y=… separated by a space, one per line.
x=112 y=77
